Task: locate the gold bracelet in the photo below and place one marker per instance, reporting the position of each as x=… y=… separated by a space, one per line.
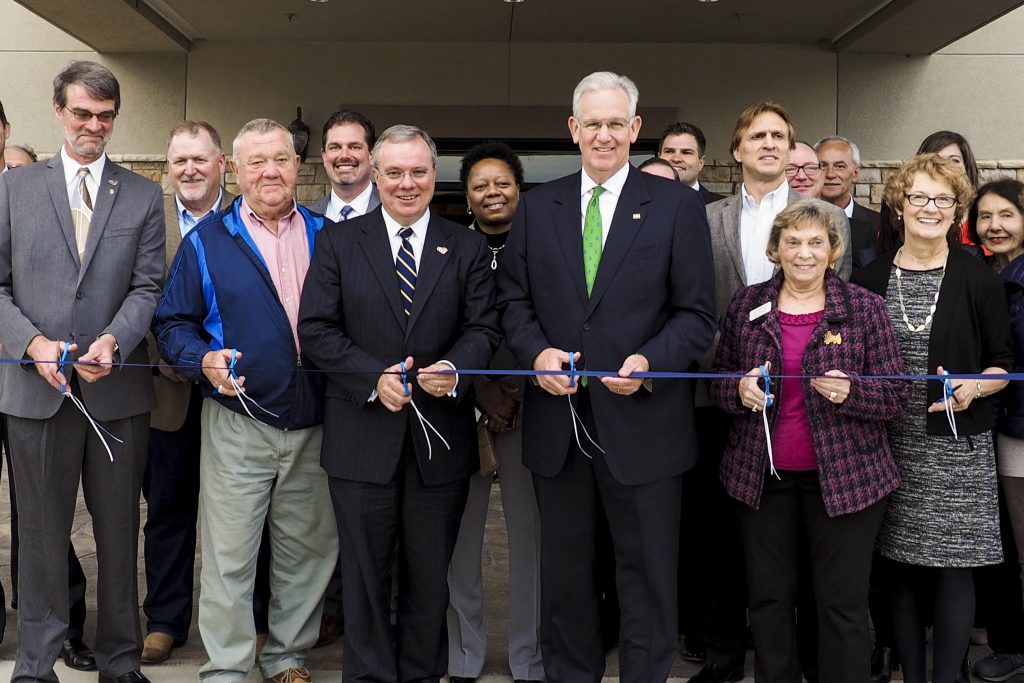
x=977 y=384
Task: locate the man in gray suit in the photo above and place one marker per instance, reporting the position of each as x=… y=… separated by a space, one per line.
x=714 y=600
x=81 y=264
x=347 y=139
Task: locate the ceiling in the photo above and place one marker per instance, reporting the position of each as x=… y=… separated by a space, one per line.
x=856 y=26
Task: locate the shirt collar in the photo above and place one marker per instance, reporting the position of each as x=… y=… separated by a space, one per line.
x=696 y=185
x=613 y=184
x=246 y=211
x=779 y=194
x=4 y=169
x=419 y=228
x=71 y=166
x=360 y=203
x=849 y=208
x=213 y=209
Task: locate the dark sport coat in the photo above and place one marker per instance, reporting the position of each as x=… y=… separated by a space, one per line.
x=653 y=295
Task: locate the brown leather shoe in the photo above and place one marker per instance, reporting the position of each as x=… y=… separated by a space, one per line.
x=293 y=675
x=331 y=628
x=157 y=647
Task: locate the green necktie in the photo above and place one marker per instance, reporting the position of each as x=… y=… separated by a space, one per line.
x=592 y=243
x=592 y=238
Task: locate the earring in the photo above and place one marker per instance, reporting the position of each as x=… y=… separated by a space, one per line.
x=469 y=211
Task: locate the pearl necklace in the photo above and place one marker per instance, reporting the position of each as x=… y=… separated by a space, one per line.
x=903 y=307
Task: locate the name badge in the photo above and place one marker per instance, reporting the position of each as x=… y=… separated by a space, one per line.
x=761 y=311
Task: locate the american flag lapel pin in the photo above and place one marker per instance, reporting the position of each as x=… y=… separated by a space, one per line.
x=636 y=216
x=442 y=250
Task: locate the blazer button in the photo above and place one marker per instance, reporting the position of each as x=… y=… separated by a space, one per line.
x=586 y=327
x=78 y=295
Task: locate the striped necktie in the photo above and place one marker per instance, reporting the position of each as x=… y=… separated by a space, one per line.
x=405 y=266
x=346 y=211
x=81 y=210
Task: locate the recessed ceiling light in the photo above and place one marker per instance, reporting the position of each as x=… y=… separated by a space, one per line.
x=318 y=0
x=514 y=2
x=697 y=0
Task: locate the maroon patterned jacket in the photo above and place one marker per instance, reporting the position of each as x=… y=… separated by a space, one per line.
x=855 y=466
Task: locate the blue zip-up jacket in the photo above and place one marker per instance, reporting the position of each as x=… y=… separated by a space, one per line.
x=219 y=295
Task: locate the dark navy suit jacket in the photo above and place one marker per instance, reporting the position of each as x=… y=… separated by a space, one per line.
x=654 y=294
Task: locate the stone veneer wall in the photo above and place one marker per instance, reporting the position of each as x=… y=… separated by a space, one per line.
x=718 y=176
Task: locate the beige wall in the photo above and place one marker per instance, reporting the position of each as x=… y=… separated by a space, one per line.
x=885 y=103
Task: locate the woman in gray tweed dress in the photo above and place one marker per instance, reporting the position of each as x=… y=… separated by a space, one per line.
x=950 y=314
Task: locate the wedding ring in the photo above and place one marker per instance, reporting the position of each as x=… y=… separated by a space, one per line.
x=832 y=396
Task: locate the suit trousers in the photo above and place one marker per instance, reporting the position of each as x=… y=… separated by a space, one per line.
x=712 y=583
x=250 y=472
x=49 y=458
x=644 y=524
x=422 y=523
x=467 y=637
x=76 y=576
x=171 y=489
x=840 y=557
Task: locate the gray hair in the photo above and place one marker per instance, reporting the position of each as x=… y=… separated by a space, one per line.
x=854 y=149
x=257 y=127
x=97 y=80
x=403 y=133
x=27 y=150
x=605 y=80
x=808 y=210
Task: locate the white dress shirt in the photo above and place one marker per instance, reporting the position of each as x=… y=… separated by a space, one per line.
x=416 y=240
x=755 y=226
x=607 y=201
x=849 y=208
x=359 y=205
x=92 y=182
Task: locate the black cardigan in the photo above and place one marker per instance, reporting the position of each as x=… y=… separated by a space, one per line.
x=970 y=331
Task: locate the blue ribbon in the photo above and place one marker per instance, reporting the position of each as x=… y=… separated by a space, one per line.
x=61 y=362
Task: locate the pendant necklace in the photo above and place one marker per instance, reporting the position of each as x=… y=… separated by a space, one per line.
x=494 y=255
x=903 y=307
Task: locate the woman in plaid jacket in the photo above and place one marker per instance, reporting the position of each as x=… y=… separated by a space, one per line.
x=828 y=469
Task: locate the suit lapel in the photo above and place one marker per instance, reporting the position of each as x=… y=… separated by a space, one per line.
x=731 y=216
x=569 y=230
x=436 y=254
x=106 y=195
x=377 y=249
x=59 y=195
x=626 y=224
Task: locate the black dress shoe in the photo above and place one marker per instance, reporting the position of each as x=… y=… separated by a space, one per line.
x=460 y=679
x=130 y=677
x=712 y=673
x=77 y=655
x=692 y=649
x=883 y=663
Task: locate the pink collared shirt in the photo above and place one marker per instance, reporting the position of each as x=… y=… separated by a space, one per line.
x=286 y=255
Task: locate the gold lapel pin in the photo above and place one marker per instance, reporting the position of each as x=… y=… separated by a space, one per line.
x=833 y=338
x=112 y=182
x=442 y=250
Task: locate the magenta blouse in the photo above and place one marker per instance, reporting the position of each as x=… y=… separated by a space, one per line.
x=791 y=438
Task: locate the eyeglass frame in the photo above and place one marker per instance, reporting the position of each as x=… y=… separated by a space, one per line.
x=83 y=116
x=793 y=170
x=953 y=201
x=396 y=176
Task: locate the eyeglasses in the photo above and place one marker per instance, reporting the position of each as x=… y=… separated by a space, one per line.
x=394 y=175
x=614 y=126
x=810 y=170
x=943 y=201
x=83 y=116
